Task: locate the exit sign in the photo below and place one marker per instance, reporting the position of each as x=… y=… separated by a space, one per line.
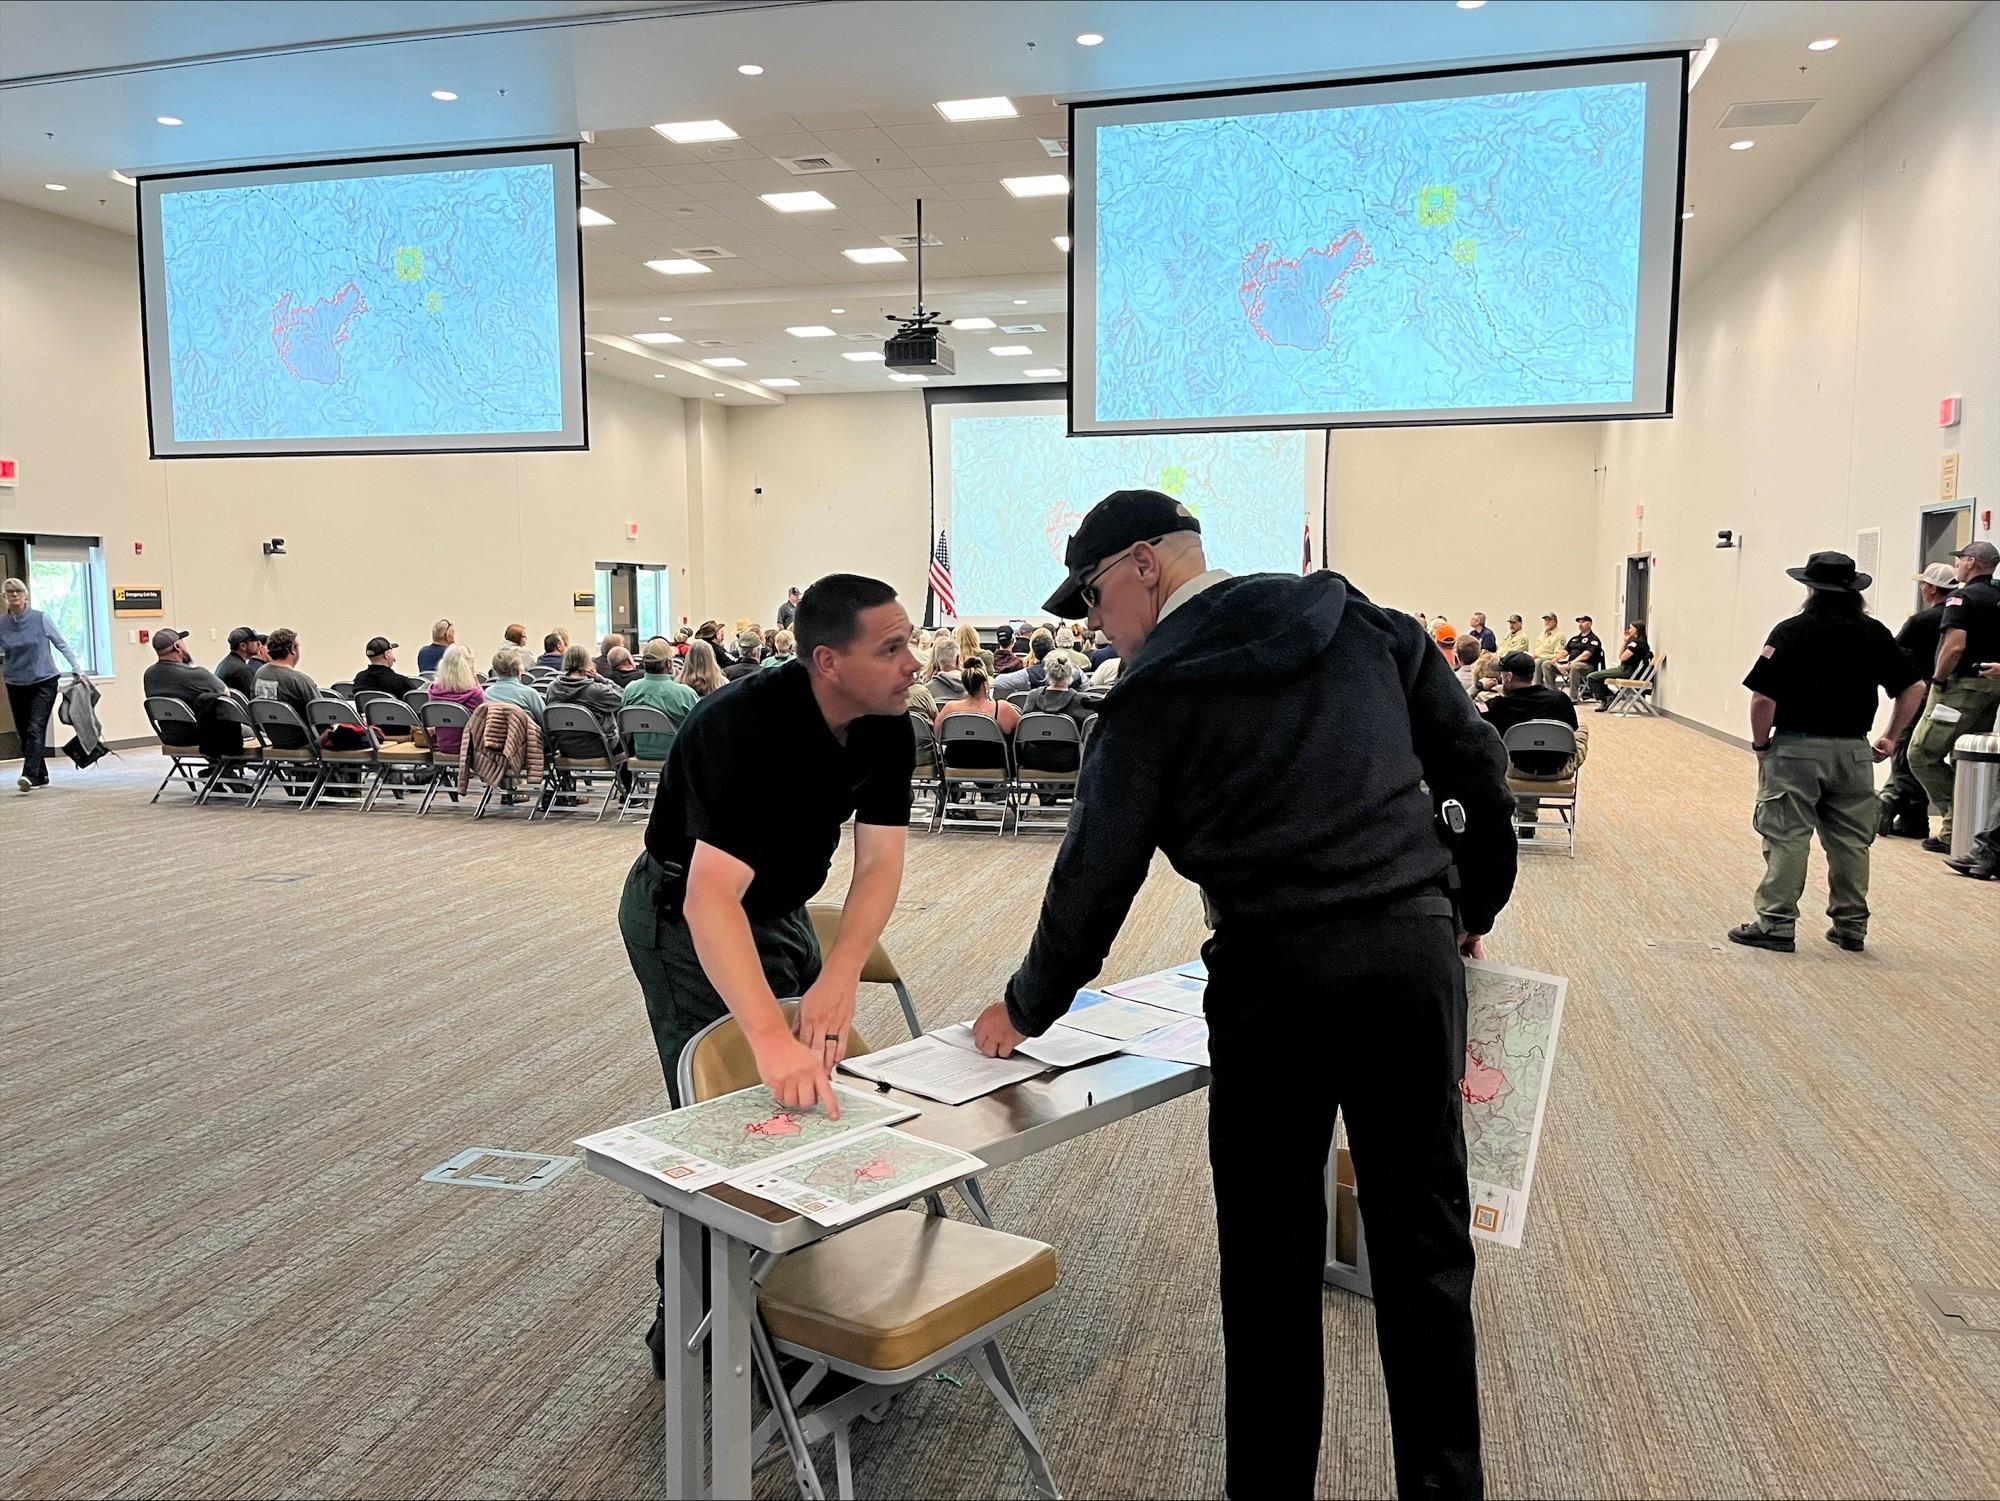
x=10 y=473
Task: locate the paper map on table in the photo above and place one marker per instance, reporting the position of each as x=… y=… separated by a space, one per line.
x=1185 y=1043
x=1169 y=988
x=1114 y=1016
x=1512 y=1018
x=749 y=1130
x=849 y=1178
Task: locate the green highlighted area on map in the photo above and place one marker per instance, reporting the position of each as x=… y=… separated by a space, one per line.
x=1437 y=205
x=410 y=262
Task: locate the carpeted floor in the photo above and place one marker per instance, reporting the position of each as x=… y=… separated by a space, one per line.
x=234 y=1041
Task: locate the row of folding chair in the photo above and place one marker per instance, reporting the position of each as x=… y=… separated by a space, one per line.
x=974 y=776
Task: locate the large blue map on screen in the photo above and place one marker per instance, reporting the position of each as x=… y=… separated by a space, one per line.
x=418 y=304
x=1020 y=485
x=1421 y=255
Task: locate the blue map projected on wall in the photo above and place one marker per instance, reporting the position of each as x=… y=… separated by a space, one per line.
x=1428 y=255
x=422 y=304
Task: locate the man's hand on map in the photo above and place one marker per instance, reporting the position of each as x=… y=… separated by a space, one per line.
x=1472 y=945
x=795 y=1073
x=994 y=1032
x=825 y=1013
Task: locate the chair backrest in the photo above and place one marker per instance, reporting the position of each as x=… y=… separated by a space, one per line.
x=969 y=741
x=643 y=719
x=233 y=708
x=416 y=698
x=441 y=715
x=325 y=713
x=269 y=714
x=717 y=1060
x=1019 y=699
x=1540 y=738
x=173 y=720
x=925 y=729
x=573 y=719
x=428 y=675
x=1048 y=742
x=368 y=695
x=343 y=689
x=390 y=715
x=877 y=969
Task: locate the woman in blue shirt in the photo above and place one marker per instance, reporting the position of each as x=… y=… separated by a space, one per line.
x=30 y=670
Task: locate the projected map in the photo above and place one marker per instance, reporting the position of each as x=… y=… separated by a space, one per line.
x=412 y=304
x=1424 y=255
x=1020 y=485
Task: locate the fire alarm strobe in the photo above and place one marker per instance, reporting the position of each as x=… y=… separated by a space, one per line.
x=1949 y=411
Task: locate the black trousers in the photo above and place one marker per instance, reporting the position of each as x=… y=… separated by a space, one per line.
x=32 y=704
x=1364 y=1016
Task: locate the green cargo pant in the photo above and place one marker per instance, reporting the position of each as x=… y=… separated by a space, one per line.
x=1810 y=784
x=680 y=1001
x=1976 y=700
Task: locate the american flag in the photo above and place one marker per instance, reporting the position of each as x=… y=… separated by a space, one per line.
x=941 y=579
x=1306 y=566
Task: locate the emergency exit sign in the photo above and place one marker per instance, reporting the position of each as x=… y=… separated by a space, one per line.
x=10 y=473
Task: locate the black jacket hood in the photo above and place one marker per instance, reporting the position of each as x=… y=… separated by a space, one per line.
x=1276 y=625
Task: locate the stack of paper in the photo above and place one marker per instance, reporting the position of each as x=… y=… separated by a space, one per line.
x=1170 y=988
x=1115 y=1017
x=718 y=1140
x=938 y=1068
x=846 y=1179
x=1186 y=1042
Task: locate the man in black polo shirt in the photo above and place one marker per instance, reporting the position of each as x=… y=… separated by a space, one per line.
x=1812 y=703
x=238 y=670
x=1581 y=655
x=1961 y=701
x=1905 y=808
x=380 y=675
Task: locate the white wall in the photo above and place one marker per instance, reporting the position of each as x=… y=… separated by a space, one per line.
x=1448 y=520
x=1811 y=364
x=373 y=544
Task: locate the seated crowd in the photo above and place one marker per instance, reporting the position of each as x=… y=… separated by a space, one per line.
x=1578 y=664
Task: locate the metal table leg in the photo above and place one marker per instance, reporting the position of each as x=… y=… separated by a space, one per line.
x=732 y=1302
x=686 y=1301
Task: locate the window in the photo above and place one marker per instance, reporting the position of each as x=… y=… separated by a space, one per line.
x=66 y=583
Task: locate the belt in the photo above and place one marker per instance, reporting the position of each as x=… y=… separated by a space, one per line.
x=1425 y=901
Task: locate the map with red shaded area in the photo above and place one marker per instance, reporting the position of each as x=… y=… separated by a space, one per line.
x=309 y=335
x=1290 y=300
x=1482 y=1082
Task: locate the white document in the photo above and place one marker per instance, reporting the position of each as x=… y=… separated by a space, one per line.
x=702 y=1144
x=1114 y=1016
x=1186 y=1043
x=1169 y=988
x=852 y=1177
x=932 y=1067
x=1059 y=1047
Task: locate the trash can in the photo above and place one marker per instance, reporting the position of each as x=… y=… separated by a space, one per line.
x=1975 y=790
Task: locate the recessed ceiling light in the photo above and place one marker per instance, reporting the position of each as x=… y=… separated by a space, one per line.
x=726 y=362
x=1089 y=39
x=56 y=187
x=719 y=396
x=659 y=375
x=906 y=379
x=1046 y=374
x=1741 y=145
x=971 y=324
x=680 y=268
x=1824 y=44
x=665 y=319
x=1008 y=351
x=117 y=176
x=1470 y=4
x=694 y=132
x=443 y=96
x=874 y=255
x=749 y=70
x=590 y=218
x=1020 y=302
x=1687 y=213
x=836 y=310
x=863 y=356
x=797 y=203
x=782 y=381
x=997 y=107
x=810 y=331
x=658 y=338
x=167 y=120
x=1062 y=243
x=1054 y=185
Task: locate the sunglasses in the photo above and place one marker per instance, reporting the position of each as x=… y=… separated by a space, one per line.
x=1090 y=593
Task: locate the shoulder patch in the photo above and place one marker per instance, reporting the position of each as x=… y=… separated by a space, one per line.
x=1768 y=651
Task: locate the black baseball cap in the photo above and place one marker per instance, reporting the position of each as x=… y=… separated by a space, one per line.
x=379 y=644
x=1518 y=664
x=1114 y=524
x=241 y=634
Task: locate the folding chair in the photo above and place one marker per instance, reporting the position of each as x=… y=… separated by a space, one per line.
x=926 y=779
x=174 y=721
x=635 y=720
x=367 y=696
x=342 y=690
x=886 y=1302
x=1020 y=700
x=1635 y=695
x=416 y=698
x=567 y=773
x=444 y=764
x=398 y=754
x=231 y=781
x=428 y=675
x=297 y=769
x=1048 y=753
x=351 y=775
x=1537 y=790
x=976 y=761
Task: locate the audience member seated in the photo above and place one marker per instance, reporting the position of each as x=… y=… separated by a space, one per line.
x=1633 y=656
x=1472 y=665
x=1035 y=674
x=380 y=675
x=1515 y=639
x=1522 y=699
x=1444 y=633
x=655 y=688
x=784 y=648
x=710 y=631
x=1581 y=655
x=280 y=680
x=238 y=670
x=1105 y=674
x=602 y=662
x=942 y=674
x=1058 y=695
x=921 y=702
x=1476 y=628
x=621 y=667
x=552 y=652
x=174 y=675
x=516 y=636
x=506 y=686
x=443 y=634
x=581 y=685
x=682 y=639
x=1005 y=658
x=969 y=647
x=1545 y=648
x=978 y=700
x=455 y=683
x=749 y=654
x=700 y=672
x=1101 y=651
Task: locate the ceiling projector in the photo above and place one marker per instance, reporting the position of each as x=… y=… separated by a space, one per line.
x=918 y=345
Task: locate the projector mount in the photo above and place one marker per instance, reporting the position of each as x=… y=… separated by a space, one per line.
x=920 y=319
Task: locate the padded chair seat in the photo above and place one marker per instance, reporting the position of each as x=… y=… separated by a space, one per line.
x=1536 y=786
x=585 y=763
x=281 y=753
x=1030 y=774
x=351 y=755
x=1628 y=682
x=888 y=1293
x=638 y=765
x=181 y=750
x=402 y=750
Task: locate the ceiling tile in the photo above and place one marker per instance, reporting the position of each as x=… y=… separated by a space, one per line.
x=904 y=114
x=723 y=191
x=941 y=156
x=847 y=142
x=966 y=172
x=691 y=173
x=935 y=134
x=595 y=158
x=900 y=177
x=1011 y=151
x=626 y=177
x=852 y=119
x=966 y=192
x=636 y=136
x=788 y=143
x=658 y=153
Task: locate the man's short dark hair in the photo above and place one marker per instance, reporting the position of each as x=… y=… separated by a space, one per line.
x=793 y=591
x=830 y=611
x=1518 y=664
x=1040 y=646
x=283 y=642
x=551 y=642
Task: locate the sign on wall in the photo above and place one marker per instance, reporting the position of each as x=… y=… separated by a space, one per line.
x=583 y=601
x=127 y=600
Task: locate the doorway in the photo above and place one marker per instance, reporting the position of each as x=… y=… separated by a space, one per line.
x=1941 y=530
x=632 y=600
x=1638 y=586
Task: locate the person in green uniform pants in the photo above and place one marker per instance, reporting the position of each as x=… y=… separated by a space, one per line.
x=1961 y=702
x=1812 y=702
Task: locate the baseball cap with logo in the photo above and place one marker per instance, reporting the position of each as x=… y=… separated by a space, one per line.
x=379 y=644
x=1938 y=576
x=1121 y=519
x=1979 y=552
x=166 y=638
x=241 y=634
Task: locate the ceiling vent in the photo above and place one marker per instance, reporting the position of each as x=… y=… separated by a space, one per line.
x=1766 y=113
x=1023 y=328
x=705 y=252
x=1054 y=147
x=812 y=166
x=909 y=242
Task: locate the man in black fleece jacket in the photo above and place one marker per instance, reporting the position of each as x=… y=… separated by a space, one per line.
x=1286 y=742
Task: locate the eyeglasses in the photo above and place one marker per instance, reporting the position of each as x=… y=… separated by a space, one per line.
x=1090 y=593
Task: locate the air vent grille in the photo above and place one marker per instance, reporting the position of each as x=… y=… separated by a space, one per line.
x=1763 y=114
x=705 y=252
x=811 y=166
